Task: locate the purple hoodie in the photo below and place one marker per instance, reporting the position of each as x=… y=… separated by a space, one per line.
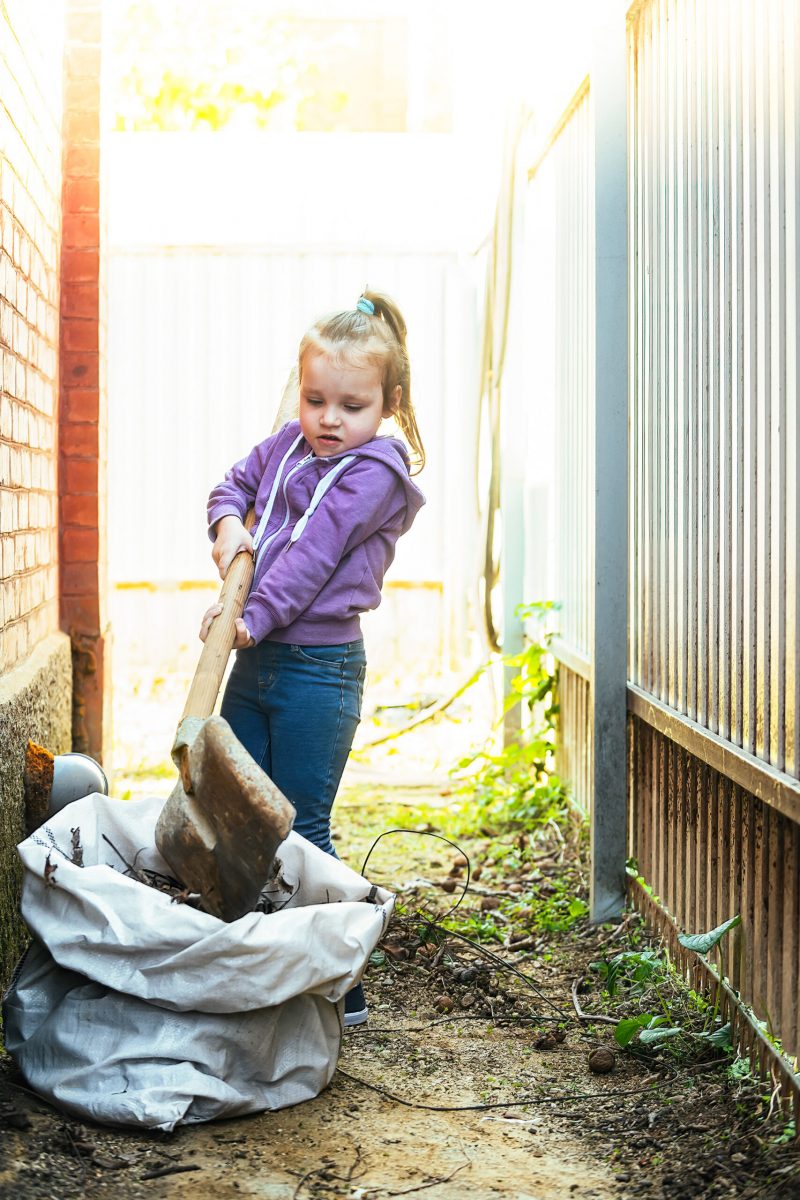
x=325 y=532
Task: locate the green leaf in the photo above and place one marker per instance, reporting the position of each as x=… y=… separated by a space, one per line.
x=652 y=1036
x=626 y=1030
x=703 y=942
x=721 y=1038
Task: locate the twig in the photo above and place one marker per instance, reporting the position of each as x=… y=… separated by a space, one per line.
x=172 y=1169
x=583 y=1016
x=421 y=1187
x=505 y=966
x=330 y=1175
x=618 y=932
x=772 y=1099
x=135 y=872
x=327 y=1174
x=307 y=1175
x=428 y=715
x=524 y=944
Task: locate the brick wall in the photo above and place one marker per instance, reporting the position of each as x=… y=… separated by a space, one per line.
x=83 y=426
x=35 y=658
x=31 y=49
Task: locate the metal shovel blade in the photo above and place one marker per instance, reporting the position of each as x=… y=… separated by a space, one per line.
x=225 y=819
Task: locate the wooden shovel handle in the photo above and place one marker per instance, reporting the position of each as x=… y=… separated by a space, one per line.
x=219 y=643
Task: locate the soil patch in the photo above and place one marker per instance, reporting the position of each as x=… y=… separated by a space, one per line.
x=471 y=1079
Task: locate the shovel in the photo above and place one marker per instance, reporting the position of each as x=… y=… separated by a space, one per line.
x=225 y=819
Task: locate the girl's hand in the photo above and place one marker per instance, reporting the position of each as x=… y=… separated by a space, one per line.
x=231 y=538
x=241 y=641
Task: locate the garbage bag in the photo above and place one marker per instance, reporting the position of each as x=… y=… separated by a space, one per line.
x=132 y=1008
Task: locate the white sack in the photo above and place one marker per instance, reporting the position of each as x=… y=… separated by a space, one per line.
x=132 y=1009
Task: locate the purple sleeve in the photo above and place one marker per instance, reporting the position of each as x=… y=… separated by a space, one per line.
x=237 y=491
x=368 y=498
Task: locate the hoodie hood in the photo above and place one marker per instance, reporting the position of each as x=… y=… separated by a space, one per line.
x=393 y=454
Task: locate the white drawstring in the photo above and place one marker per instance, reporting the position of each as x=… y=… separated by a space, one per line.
x=326 y=482
x=265 y=516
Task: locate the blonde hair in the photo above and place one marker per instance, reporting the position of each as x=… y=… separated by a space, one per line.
x=378 y=338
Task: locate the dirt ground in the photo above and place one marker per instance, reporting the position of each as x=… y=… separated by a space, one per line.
x=478 y=1101
x=471 y=1080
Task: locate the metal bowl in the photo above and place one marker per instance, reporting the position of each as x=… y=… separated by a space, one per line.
x=75 y=776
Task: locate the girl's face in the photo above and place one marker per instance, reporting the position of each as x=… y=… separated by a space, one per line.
x=341 y=406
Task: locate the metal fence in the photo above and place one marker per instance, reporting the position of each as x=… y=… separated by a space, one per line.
x=201 y=343
x=713 y=500
x=711 y=585
x=561 y=202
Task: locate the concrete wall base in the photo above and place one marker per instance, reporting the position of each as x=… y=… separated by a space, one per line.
x=35 y=704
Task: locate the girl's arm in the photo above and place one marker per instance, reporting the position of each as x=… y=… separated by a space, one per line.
x=369 y=497
x=230 y=500
x=237 y=491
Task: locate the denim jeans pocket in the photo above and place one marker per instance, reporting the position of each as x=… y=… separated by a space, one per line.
x=324 y=656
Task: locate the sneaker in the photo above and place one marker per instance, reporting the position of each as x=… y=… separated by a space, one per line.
x=355 y=1007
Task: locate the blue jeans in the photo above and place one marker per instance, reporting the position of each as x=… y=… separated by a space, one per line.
x=296 y=710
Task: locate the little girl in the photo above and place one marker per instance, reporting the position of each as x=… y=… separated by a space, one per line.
x=331 y=499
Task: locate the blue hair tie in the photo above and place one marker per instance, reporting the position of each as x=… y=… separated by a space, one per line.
x=366 y=306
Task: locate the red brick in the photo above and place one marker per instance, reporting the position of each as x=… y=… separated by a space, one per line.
x=78 y=475
x=80 y=368
x=79 y=579
x=79 y=333
x=80 y=404
x=80 y=300
x=80 y=266
x=80 y=161
x=82 y=123
x=80 y=510
x=79 y=441
x=81 y=94
x=81 y=231
x=82 y=610
x=79 y=545
x=81 y=195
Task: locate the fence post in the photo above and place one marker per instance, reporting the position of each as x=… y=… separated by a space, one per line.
x=609 y=632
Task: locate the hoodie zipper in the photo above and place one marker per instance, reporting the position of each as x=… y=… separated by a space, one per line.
x=301 y=463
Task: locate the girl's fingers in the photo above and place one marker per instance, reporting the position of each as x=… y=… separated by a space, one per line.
x=210 y=614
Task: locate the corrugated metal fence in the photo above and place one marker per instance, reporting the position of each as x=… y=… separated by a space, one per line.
x=713 y=502
x=712 y=584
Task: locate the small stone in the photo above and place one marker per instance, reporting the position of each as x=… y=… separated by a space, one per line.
x=488 y=903
x=448 y=885
x=444 y=1003
x=468 y=999
x=602 y=1060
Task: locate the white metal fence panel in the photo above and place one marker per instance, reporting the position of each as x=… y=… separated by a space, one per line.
x=201 y=343
x=561 y=216
x=714 y=435
x=562 y=210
